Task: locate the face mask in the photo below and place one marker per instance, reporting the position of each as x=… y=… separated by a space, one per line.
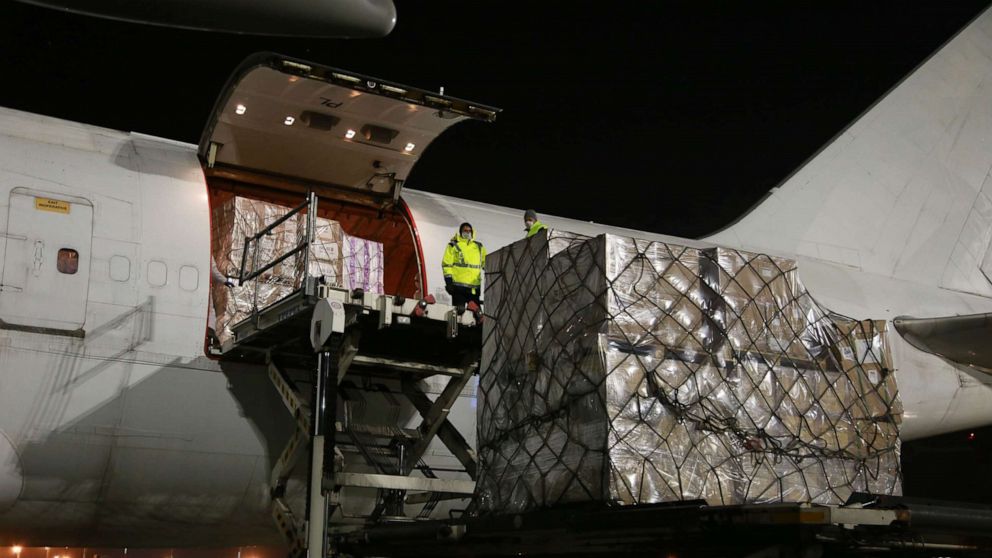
x=529 y=224
x=466 y=235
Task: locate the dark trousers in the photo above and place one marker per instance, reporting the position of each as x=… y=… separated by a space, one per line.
x=461 y=296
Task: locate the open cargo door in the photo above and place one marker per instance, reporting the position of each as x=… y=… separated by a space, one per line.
x=357 y=135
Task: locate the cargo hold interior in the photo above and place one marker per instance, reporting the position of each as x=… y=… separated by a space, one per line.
x=393 y=227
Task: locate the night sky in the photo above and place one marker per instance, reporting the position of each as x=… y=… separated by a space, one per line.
x=673 y=118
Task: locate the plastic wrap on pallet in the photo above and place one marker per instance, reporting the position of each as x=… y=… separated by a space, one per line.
x=232 y=221
x=362 y=264
x=343 y=260
x=335 y=257
x=627 y=371
x=325 y=259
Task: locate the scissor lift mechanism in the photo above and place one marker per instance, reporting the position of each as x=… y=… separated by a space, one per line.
x=339 y=334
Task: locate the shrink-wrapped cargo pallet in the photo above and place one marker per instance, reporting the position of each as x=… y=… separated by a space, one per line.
x=627 y=371
x=337 y=258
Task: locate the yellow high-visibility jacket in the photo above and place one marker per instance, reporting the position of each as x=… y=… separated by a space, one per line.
x=463 y=261
x=535 y=228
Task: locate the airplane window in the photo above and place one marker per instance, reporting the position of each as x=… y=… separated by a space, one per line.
x=189 y=278
x=68 y=261
x=120 y=268
x=157 y=273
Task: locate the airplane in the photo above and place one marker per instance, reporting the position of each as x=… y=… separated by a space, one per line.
x=117 y=427
x=292 y=18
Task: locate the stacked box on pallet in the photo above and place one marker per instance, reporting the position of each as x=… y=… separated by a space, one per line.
x=343 y=260
x=760 y=304
x=793 y=415
x=337 y=258
x=864 y=357
x=621 y=370
x=531 y=459
x=325 y=260
x=362 y=264
x=584 y=408
x=233 y=220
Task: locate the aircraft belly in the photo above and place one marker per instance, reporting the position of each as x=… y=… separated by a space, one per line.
x=11 y=480
x=142 y=454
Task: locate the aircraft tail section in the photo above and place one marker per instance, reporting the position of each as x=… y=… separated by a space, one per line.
x=905 y=191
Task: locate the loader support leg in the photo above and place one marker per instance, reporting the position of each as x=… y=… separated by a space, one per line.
x=321 y=452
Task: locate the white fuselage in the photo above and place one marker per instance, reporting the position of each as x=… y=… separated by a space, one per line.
x=131 y=435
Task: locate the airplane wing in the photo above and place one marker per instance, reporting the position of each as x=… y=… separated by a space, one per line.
x=960 y=339
x=349 y=19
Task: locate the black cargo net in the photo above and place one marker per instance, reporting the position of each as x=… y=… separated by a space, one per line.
x=627 y=371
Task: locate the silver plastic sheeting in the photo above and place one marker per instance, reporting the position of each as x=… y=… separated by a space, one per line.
x=232 y=221
x=334 y=256
x=627 y=371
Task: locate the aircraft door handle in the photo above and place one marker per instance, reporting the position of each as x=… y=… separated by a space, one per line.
x=39 y=256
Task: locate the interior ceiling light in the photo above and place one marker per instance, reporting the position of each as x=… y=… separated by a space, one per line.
x=409 y=147
x=289 y=121
x=240 y=109
x=349 y=134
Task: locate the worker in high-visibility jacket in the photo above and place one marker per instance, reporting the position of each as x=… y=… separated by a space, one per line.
x=463 y=263
x=531 y=225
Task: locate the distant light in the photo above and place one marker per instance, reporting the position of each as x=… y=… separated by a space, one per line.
x=971 y=436
x=240 y=109
x=289 y=121
x=349 y=134
x=409 y=147
x=17 y=549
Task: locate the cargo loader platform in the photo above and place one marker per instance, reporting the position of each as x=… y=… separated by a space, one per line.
x=340 y=335
x=425 y=335
x=319 y=343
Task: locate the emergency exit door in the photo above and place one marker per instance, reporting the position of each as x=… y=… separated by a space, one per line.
x=46 y=266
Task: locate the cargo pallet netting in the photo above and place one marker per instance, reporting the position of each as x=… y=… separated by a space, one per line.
x=627 y=371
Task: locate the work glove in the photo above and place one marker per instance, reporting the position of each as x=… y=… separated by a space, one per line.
x=449 y=286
